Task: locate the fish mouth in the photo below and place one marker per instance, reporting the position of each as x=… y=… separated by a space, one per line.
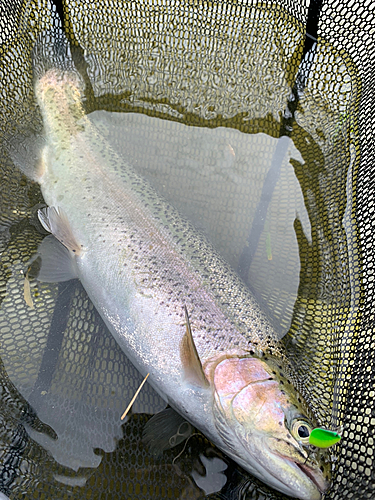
x=318 y=484
x=297 y=480
x=297 y=474
x=314 y=476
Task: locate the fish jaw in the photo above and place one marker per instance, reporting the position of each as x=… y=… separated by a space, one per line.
x=251 y=416
x=293 y=477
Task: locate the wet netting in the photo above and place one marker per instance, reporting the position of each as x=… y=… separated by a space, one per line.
x=257 y=121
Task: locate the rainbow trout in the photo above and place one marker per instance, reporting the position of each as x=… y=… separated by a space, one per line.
x=175 y=307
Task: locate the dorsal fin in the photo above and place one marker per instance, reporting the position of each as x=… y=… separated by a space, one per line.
x=189 y=357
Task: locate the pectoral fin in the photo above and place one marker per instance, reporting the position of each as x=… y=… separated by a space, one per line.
x=190 y=359
x=55 y=221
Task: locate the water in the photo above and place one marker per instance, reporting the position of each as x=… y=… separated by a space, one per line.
x=197 y=111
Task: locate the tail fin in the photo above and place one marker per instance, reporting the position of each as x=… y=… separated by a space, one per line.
x=51 y=52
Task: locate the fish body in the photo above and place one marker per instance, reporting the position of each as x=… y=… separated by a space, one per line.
x=145 y=267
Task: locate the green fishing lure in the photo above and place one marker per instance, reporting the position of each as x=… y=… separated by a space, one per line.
x=323 y=438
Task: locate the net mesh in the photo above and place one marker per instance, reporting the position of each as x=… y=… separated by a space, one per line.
x=197 y=66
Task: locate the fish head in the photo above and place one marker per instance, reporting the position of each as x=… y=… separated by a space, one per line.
x=262 y=421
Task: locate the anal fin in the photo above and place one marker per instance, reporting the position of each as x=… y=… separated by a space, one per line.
x=56 y=262
x=55 y=221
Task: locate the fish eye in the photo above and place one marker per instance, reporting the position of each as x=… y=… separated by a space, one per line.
x=301 y=431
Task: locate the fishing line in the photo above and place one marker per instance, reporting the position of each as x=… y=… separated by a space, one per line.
x=183 y=449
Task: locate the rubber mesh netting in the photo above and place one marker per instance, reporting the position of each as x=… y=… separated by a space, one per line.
x=206 y=86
